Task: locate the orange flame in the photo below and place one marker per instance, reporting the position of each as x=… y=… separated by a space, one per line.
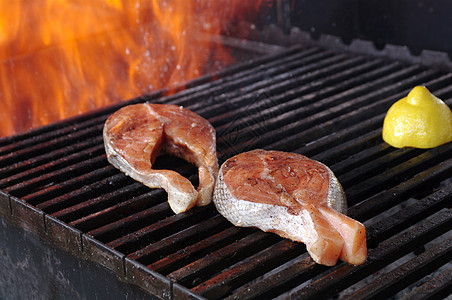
x=60 y=58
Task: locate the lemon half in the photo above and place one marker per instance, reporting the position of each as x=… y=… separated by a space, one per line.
x=419 y=120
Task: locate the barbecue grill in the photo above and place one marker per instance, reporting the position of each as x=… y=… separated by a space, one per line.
x=68 y=215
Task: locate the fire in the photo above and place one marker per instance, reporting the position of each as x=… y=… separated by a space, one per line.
x=60 y=58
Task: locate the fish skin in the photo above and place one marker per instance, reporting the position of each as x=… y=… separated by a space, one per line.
x=136 y=134
x=294 y=197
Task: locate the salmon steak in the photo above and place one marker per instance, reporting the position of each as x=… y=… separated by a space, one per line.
x=136 y=134
x=293 y=196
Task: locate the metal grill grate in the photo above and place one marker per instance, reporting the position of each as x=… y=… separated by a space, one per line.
x=327 y=105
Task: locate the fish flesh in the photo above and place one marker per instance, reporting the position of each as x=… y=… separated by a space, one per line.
x=293 y=196
x=136 y=134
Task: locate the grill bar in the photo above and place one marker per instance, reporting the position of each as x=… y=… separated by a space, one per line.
x=139 y=203
x=387 y=252
x=75 y=212
x=197 y=272
x=385 y=229
x=158 y=249
x=152 y=232
x=51 y=161
x=401 y=277
x=438 y=287
x=350 y=113
x=423 y=182
x=324 y=104
x=245 y=270
x=309 y=93
x=195 y=251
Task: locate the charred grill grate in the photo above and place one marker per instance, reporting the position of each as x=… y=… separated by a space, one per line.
x=329 y=106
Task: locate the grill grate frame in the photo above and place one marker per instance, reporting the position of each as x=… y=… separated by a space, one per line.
x=328 y=105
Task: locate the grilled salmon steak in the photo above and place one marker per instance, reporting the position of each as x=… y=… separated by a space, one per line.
x=136 y=134
x=294 y=197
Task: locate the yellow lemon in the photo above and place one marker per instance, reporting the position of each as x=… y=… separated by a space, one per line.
x=419 y=120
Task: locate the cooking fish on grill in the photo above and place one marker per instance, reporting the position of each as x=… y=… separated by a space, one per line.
x=136 y=134
x=294 y=197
